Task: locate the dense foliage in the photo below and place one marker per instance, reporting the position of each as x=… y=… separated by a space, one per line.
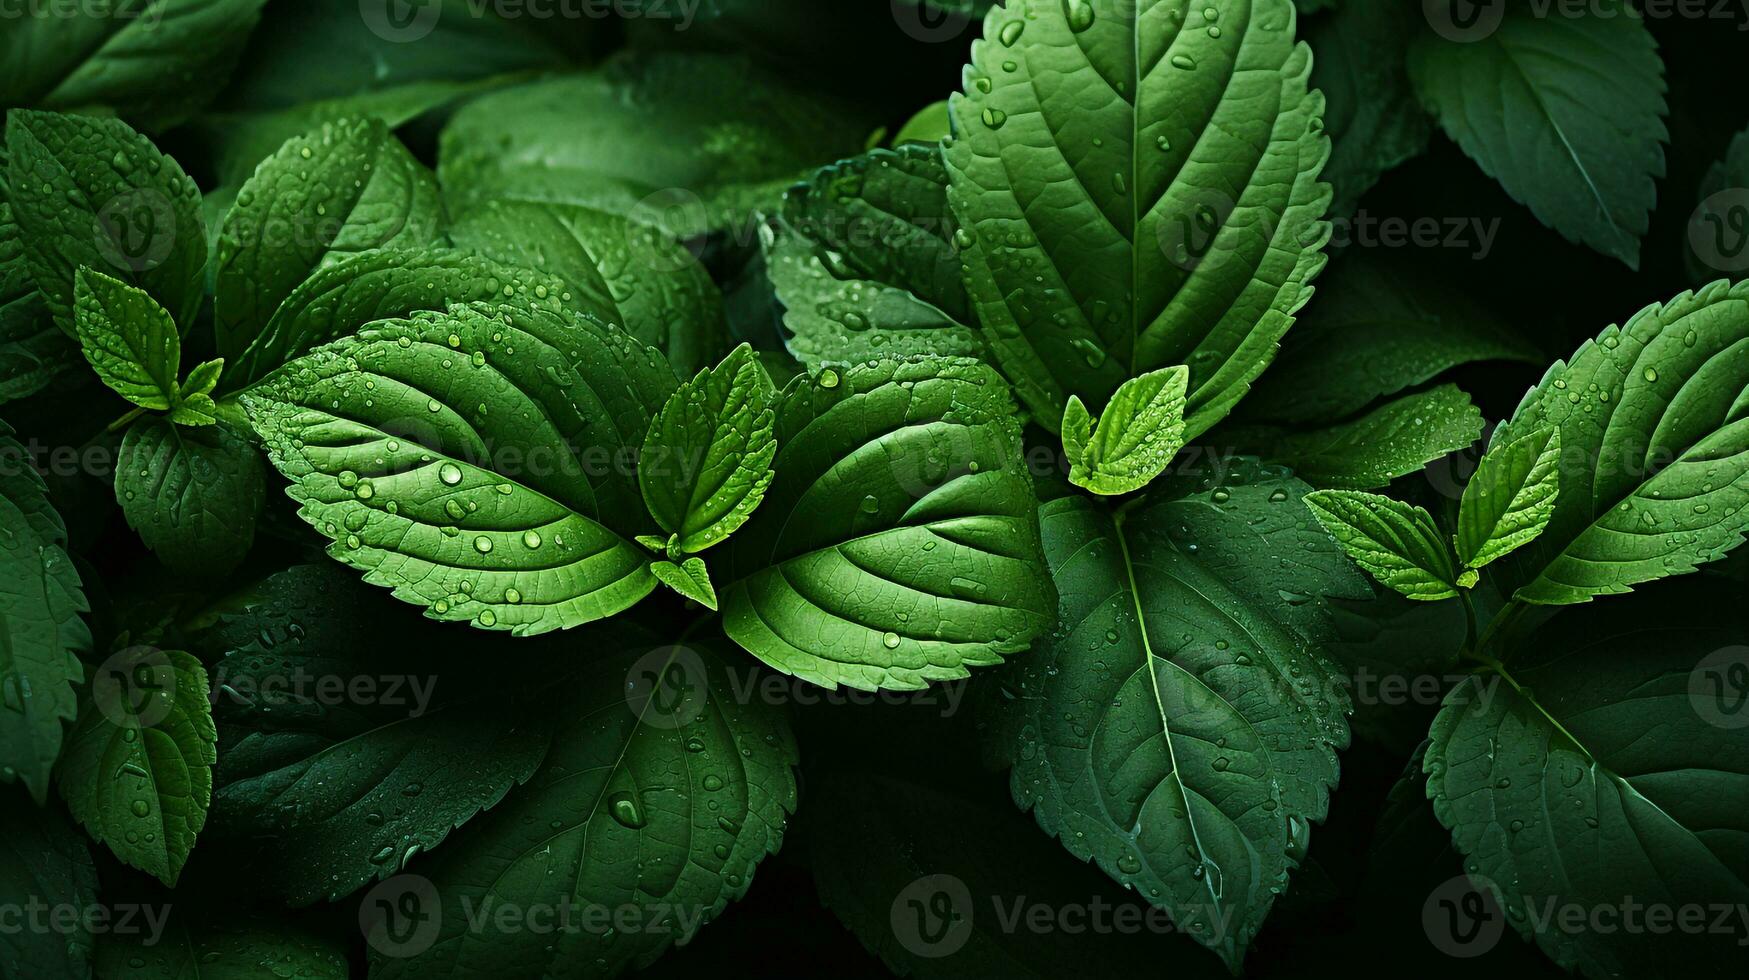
x=1044 y=487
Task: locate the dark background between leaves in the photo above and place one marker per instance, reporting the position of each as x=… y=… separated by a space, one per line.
x=1341 y=914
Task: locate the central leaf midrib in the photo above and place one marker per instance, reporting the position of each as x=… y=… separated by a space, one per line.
x=1129 y=568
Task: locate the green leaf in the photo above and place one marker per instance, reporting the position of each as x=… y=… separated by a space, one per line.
x=1396 y=543
x=706 y=462
x=690 y=578
x=45 y=858
x=216 y=940
x=1510 y=500
x=41 y=598
x=1394 y=440
x=154 y=63
x=345 y=188
x=192 y=494
x=865 y=263
x=897 y=545
x=1371 y=114
x=90 y=192
x=203 y=378
x=1138 y=193
x=1382 y=325
x=129 y=339
x=626 y=273
x=1180 y=729
x=1623 y=750
x=928 y=125
x=692 y=142
x=449 y=457
x=1654 y=475
x=138 y=768
x=33 y=351
x=658 y=806
x=384 y=284
x=1136 y=437
x=1565 y=111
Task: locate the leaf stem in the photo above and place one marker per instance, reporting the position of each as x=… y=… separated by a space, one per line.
x=125 y=420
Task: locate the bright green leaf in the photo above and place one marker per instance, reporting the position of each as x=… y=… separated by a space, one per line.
x=458 y=473
x=706 y=462
x=384 y=284
x=202 y=378
x=1396 y=543
x=1654 y=476
x=1137 y=434
x=1138 y=192
x=129 y=339
x=690 y=578
x=1510 y=499
x=138 y=769
x=898 y=543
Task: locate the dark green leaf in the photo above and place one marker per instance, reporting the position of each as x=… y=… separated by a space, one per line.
x=44 y=858
x=90 y=192
x=346 y=188
x=138 y=768
x=192 y=494
x=1394 y=440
